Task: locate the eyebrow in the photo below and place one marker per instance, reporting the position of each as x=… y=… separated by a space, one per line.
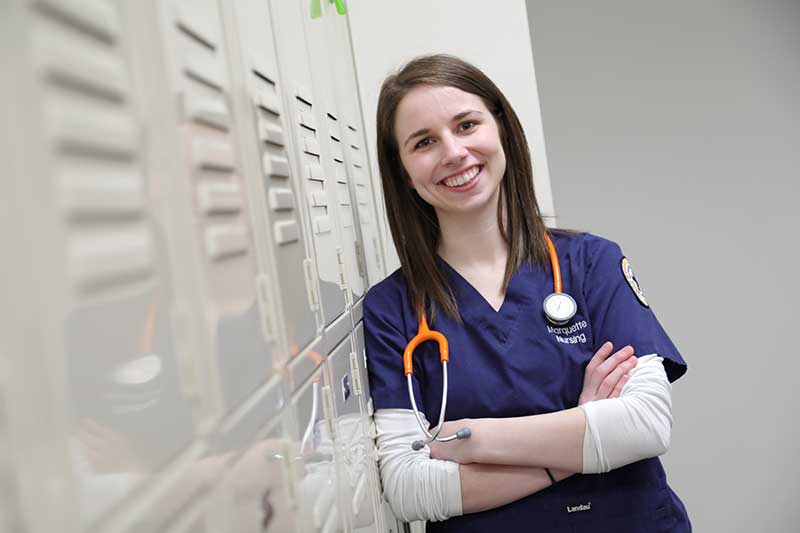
x=456 y=118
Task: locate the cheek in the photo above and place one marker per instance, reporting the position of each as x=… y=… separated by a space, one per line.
x=501 y=156
x=415 y=169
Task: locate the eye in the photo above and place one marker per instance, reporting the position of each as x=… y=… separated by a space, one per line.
x=467 y=125
x=423 y=143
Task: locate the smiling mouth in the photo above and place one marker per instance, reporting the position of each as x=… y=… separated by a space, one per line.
x=465 y=178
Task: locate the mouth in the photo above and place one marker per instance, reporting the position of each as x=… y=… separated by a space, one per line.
x=462 y=179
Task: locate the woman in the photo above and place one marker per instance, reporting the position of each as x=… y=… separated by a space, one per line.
x=564 y=434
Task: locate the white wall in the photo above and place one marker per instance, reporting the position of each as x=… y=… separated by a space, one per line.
x=386 y=34
x=675 y=130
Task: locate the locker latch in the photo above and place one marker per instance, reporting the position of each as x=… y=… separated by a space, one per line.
x=360 y=260
x=311 y=291
x=327 y=409
x=340 y=262
x=263 y=292
x=356 y=373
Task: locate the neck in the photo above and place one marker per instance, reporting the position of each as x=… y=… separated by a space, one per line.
x=470 y=240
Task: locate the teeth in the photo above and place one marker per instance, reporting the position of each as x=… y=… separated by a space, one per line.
x=466 y=177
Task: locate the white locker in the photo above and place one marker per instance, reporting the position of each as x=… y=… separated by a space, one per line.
x=323 y=53
x=224 y=308
x=99 y=340
x=259 y=495
x=226 y=287
x=314 y=456
x=357 y=468
x=346 y=92
x=265 y=139
x=311 y=156
x=191 y=226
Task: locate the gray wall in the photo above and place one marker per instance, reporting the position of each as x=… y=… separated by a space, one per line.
x=675 y=130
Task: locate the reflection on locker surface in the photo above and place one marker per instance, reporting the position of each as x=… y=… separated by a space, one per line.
x=184 y=349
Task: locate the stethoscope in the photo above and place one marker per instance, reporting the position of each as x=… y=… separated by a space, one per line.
x=559 y=308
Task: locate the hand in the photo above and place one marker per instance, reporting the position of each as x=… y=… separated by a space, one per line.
x=460 y=451
x=605 y=376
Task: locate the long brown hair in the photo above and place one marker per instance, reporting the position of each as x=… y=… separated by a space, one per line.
x=413 y=222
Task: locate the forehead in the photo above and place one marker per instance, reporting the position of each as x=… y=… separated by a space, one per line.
x=427 y=106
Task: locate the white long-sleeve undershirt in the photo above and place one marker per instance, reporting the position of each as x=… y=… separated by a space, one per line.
x=635 y=426
x=619 y=431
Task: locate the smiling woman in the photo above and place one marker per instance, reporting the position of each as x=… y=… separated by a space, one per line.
x=544 y=401
x=439 y=119
x=456 y=161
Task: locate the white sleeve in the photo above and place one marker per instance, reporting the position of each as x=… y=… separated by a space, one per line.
x=635 y=426
x=416 y=486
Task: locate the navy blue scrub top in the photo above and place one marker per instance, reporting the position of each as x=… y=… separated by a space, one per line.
x=513 y=362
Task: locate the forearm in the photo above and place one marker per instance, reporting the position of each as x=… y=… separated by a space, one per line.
x=553 y=440
x=485 y=486
x=596 y=437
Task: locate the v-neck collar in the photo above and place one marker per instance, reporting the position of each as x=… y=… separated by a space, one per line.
x=472 y=294
x=476 y=310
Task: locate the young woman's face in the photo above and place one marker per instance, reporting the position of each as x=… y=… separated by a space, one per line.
x=450 y=146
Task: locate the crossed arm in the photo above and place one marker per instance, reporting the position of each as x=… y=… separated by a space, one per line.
x=505 y=458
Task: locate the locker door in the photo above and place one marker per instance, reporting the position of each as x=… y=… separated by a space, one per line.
x=314 y=457
x=265 y=135
x=109 y=358
x=313 y=167
x=259 y=494
x=326 y=75
x=357 y=160
x=370 y=457
x=227 y=292
x=356 y=468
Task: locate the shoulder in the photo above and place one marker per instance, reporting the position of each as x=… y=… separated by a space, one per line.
x=388 y=289
x=585 y=249
x=386 y=302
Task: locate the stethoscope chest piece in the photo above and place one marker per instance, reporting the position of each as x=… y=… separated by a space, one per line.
x=559 y=308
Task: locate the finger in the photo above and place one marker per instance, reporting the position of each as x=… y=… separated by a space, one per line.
x=602 y=353
x=617 y=392
x=610 y=382
x=606 y=367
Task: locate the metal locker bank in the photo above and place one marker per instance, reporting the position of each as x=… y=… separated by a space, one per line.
x=192 y=218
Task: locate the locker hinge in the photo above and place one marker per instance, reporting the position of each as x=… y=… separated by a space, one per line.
x=355 y=372
x=340 y=262
x=360 y=260
x=327 y=409
x=311 y=286
x=263 y=297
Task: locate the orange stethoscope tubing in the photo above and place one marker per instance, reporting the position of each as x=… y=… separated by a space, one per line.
x=424 y=334
x=557 y=287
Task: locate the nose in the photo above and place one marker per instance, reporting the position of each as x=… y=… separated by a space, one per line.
x=454 y=150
